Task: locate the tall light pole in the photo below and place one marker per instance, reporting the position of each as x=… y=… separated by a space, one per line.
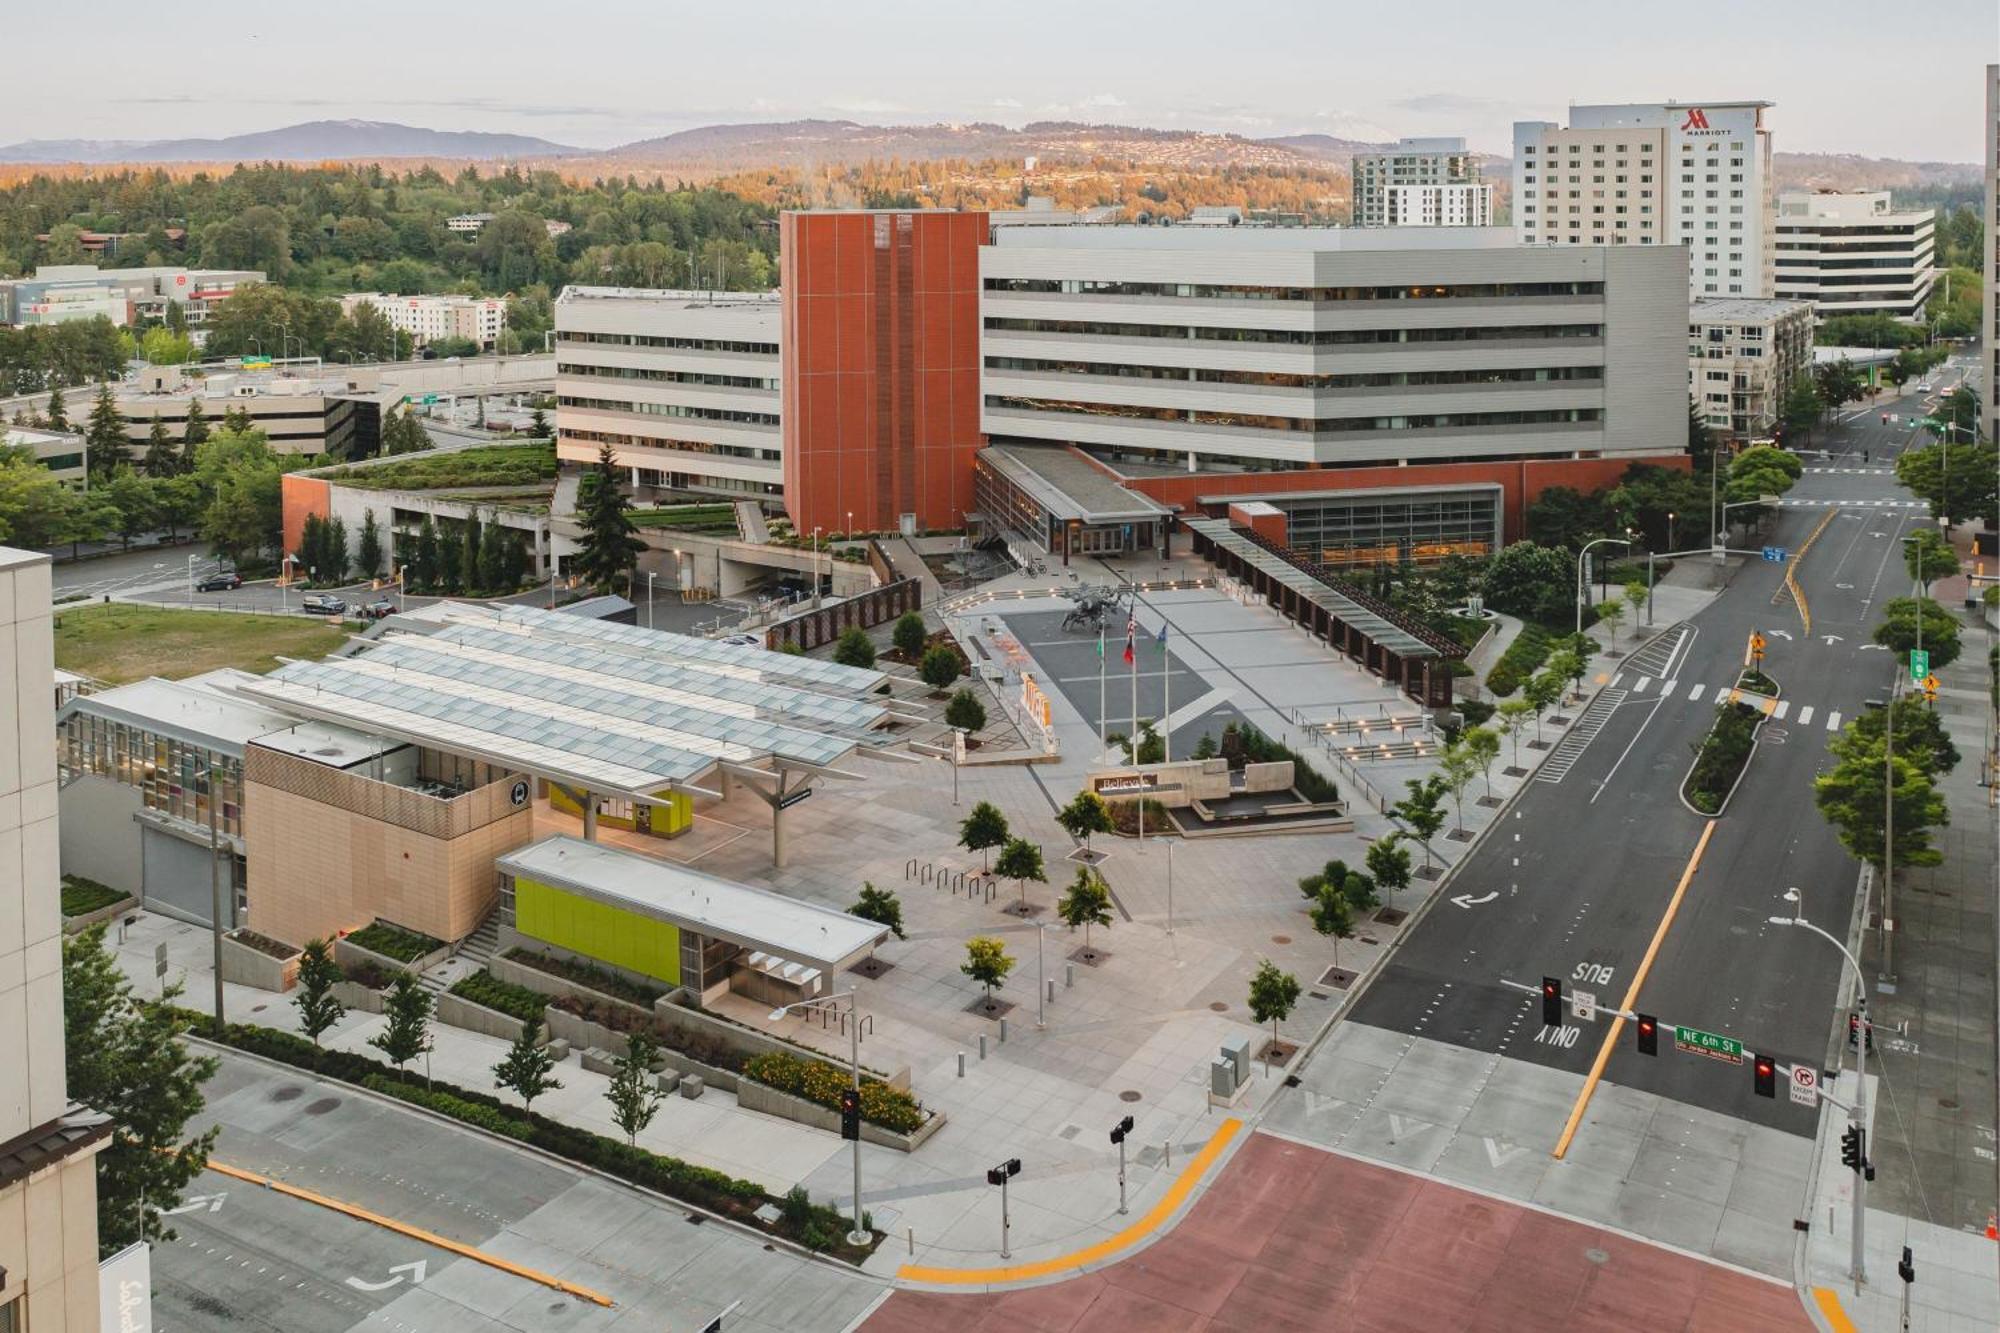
x=859 y=1235
x=815 y=568
x=649 y=599
x=1582 y=586
x=215 y=884
x=1857 y=1110
x=190 y=582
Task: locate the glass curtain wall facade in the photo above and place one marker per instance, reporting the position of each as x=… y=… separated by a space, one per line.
x=1362 y=530
x=173 y=776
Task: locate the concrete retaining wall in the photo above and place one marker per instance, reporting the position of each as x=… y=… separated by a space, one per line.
x=746 y=1042
x=754 y=1096
x=463 y=1013
x=559 y=988
x=358 y=997
x=253 y=967
x=76 y=925
x=348 y=954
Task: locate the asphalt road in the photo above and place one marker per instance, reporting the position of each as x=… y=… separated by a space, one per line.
x=1601 y=851
x=254 y=1259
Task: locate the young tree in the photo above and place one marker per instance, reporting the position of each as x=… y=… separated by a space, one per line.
x=987 y=962
x=854 y=648
x=910 y=635
x=1273 y=993
x=1020 y=861
x=527 y=1070
x=1084 y=815
x=1087 y=903
x=195 y=433
x=1332 y=914
x=1514 y=715
x=1850 y=797
x=1566 y=665
x=319 y=1010
x=939 y=668
x=105 y=433
x=611 y=543
x=1609 y=613
x=1541 y=692
x=1458 y=766
x=162 y=459
x=965 y=711
x=407 y=1006
x=1483 y=743
x=880 y=906
x=125 y=1059
x=538 y=424
x=634 y=1094
x=368 y=547
x=1905 y=620
x=421 y=569
x=1636 y=597
x=1929 y=557
x=1422 y=811
x=1389 y=862
x=983 y=828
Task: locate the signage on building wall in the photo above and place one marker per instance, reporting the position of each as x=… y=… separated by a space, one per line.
x=518 y=793
x=1697 y=119
x=125 y=1291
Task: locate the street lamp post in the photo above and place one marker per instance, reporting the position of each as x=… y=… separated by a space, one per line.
x=190 y=583
x=649 y=599
x=859 y=1235
x=1857 y=1110
x=215 y=884
x=1582 y=587
x=815 y=568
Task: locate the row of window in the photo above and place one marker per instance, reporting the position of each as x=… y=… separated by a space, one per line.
x=172 y=776
x=1242 y=292
x=1309 y=425
x=579 y=338
x=668 y=376
x=1304 y=337
x=1281 y=380
x=618 y=441
x=671 y=410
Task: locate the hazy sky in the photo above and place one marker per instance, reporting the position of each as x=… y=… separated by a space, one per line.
x=1846 y=76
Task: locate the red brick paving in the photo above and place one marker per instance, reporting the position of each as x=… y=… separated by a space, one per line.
x=1291 y=1239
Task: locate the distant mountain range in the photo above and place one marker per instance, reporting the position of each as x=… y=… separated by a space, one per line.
x=313 y=141
x=805 y=144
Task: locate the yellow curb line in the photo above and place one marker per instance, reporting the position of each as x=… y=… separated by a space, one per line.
x=1176 y=1193
x=1828 y=1301
x=415 y=1233
x=1632 y=995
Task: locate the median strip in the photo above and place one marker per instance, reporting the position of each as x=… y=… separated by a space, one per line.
x=1632 y=994
x=414 y=1233
x=1154 y=1218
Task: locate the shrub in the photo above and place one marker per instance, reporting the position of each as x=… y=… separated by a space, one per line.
x=821 y=1083
x=965 y=711
x=940 y=667
x=588 y=974
x=82 y=896
x=1720 y=757
x=372 y=975
x=1257 y=748
x=1475 y=711
x=458 y=1108
x=1524 y=656
x=405 y=946
x=854 y=648
x=482 y=987
x=1125 y=817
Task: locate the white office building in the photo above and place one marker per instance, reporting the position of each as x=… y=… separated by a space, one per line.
x=1421 y=183
x=1989 y=311
x=1853 y=253
x=682 y=385
x=429 y=318
x=1742 y=356
x=1678 y=173
x=1266 y=349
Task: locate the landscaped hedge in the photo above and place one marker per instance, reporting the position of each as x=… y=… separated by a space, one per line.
x=1523 y=658
x=405 y=946
x=1261 y=749
x=1721 y=758
x=821 y=1228
x=586 y=974
x=818 y=1081
x=482 y=987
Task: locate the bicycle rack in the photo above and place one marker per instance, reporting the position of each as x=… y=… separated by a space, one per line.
x=910 y=868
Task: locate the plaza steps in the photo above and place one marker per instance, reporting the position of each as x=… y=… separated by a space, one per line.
x=473 y=953
x=750 y=522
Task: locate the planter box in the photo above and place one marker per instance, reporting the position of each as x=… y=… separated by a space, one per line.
x=253 y=967
x=672 y=1012
x=358 y=997
x=76 y=925
x=348 y=954
x=463 y=1013
x=754 y=1096
x=557 y=988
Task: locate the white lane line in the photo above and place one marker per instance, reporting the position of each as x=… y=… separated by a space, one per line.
x=1644 y=681
x=1778 y=713
x=1667 y=688
x=1833 y=721
x=1805 y=714
x=1694 y=692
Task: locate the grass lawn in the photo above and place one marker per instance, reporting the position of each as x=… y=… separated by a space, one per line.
x=122 y=642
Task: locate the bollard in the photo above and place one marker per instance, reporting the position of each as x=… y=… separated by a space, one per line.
x=1003 y=1032
x=1167 y=1153
x=1052 y=990
x=912 y=1232
x=1069 y=975
x=961 y=1064
x=982 y=1045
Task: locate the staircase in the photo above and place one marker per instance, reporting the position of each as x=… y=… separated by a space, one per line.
x=750 y=522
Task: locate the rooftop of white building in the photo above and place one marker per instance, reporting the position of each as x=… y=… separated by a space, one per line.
x=576 y=293
x=1743 y=310
x=1133 y=237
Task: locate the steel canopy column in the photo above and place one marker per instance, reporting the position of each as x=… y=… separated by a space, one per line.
x=589 y=804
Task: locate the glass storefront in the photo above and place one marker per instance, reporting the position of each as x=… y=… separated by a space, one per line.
x=173 y=777
x=1358 y=530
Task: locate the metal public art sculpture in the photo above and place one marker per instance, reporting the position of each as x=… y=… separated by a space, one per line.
x=1096 y=605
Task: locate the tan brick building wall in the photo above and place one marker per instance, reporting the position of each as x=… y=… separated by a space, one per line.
x=329 y=850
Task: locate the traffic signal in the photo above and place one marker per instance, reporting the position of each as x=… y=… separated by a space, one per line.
x=1907 y=1269
x=1853 y=1147
x=1765 y=1070
x=1552 y=1002
x=1854 y=1025
x=1000 y=1174
x=850 y=1113
x=1648 y=1028
x=1121 y=1129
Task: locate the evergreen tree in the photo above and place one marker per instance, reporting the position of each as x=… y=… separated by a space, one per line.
x=318 y=974
x=910 y=635
x=854 y=648
x=368 y=548
x=236 y=420
x=538 y=424
x=450 y=566
x=634 y=1096
x=105 y=433
x=162 y=458
x=495 y=559
x=422 y=566
x=333 y=554
x=408 y=1009
x=527 y=1068
x=194 y=434
x=56 y=414
x=468 y=553
x=611 y=543
x=126 y=1060
x=965 y=712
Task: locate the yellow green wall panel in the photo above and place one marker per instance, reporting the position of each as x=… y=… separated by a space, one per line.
x=671 y=817
x=598 y=930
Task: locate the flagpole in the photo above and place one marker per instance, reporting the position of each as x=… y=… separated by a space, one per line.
x=1100 y=689
x=1132 y=655
x=1167 y=701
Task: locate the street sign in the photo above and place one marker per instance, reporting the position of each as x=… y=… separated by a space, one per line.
x=1930 y=684
x=1583 y=1005
x=790 y=799
x=1804 y=1085
x=1710 y=1044
x=1775 y=554
x=1920 y=664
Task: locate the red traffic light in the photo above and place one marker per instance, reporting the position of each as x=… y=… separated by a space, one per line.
x=1765 y=1072
x=1648 y=1029
x=850 y=1099
x=1552 y=1002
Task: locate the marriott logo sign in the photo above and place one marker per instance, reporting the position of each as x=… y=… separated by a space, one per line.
x=1697 y=119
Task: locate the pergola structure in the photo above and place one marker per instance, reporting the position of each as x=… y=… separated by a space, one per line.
x=602 y=710
x=1414 y=656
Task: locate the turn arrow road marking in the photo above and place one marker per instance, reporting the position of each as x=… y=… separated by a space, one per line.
x=1466 y=900
x=415 y=1272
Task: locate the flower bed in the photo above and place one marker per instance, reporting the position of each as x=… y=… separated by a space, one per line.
x=584 y=974
x=263 y=944
x=483 y=988
x=405 y=946
x=820 y=1082
x=1523 y=658
x=1723 y=755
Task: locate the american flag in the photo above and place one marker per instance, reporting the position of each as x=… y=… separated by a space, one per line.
x=1131 y=630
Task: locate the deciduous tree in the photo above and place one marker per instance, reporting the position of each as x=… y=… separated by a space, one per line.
x=319 y=1009
x=528 y=1068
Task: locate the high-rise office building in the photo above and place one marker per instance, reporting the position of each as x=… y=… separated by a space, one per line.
x=1853 y=253
x=1989 y=306
x=1678 y=173
x=48 y=1147
x=1421 y=183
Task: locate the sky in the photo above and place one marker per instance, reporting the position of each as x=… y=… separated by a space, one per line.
x=611 y=71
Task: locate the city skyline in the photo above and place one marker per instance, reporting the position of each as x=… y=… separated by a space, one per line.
x=898 y=65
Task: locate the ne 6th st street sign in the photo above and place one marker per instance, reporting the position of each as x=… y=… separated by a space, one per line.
x=1920 y=664
x=1710 y=1044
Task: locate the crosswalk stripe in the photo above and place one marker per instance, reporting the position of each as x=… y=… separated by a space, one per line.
x=1833 y=721
x=1694 y=692
x=1617 y=680
x=1644 y=681
x=1779 y=711
x=1805 y=714
x=1667 y=688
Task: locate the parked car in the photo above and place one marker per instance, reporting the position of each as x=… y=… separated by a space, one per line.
x=227 y=580
x=322 y=604
x=377 y=610
x=745 y=640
